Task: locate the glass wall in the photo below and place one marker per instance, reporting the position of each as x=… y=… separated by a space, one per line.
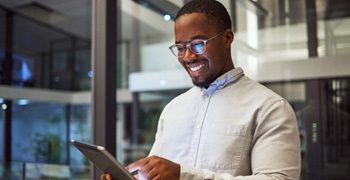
x=45 y=72
x=271 y=44
x=322 y=110
x=39 y=132
x=47 y=51
x=50 y=49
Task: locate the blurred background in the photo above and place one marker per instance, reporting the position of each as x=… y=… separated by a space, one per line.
x=298 y=48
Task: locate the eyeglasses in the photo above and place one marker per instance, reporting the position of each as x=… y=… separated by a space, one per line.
x=197 y=46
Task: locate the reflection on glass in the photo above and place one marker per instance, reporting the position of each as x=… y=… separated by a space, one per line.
x=80 y=129
x=11 y=171
x=39 y=132
x=50 y=49
x=323 y=125
x=44 y=55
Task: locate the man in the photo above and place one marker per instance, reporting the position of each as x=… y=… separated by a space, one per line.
x=227 y=126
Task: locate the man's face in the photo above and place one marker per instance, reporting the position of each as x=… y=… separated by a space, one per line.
x=215 y=61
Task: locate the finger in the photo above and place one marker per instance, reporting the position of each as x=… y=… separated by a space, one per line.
x=144 y=170
x=157 y=177
x=137 y=165
x=109 y=177
x=106 y=177
x=136 y=176
x=151 y=174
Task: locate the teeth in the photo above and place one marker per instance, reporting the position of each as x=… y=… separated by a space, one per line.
x=197 y=67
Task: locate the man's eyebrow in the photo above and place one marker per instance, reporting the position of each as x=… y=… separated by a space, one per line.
x=192 y=38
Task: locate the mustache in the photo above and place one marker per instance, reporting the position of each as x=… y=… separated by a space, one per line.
x=192 y=61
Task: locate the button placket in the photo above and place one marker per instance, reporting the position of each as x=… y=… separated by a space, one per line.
x=198 y=130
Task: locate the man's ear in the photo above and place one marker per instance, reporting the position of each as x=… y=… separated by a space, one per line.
x=229 y=36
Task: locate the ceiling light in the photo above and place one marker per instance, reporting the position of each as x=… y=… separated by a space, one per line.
x=167 y=17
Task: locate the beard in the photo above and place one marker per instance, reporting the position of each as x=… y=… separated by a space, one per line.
x=205 y=83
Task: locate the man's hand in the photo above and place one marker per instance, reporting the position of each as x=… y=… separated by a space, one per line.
x=155 y=168
x=106 y=177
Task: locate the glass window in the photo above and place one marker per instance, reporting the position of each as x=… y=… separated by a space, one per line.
x=51 y=50
x=80 y=129
x=39 y=132
x=322 y=111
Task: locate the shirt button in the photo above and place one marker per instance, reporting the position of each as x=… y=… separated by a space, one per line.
x=198 y=126
x=221 y=86
x=206 y=96
x=192 y=159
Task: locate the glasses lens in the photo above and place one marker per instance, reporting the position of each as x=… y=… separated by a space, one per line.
x=197 y=46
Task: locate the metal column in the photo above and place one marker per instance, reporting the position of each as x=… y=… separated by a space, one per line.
x=104 y=76
x=311 y=22
x=7 y=105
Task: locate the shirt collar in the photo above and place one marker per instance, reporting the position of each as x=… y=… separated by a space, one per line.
x=223 y=80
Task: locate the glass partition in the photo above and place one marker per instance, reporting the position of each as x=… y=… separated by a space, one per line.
x=50 y=63
x=51 y=51
x=322 y=111
x=266 y=31
x=46 y=53
x=44 y=139
x=11 y=171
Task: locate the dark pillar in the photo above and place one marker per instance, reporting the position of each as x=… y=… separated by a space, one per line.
x=104 y=76
x=7 y=105
x=68 y=121
x=71 y=66
x=6 y=128
x=281 y=12
x=135 y=67
x=233 y=15
x=311 y=23
x=135 y=110
x=312 y=116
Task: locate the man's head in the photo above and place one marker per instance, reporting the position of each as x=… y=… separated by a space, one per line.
x=214 y=11
x=204 y=20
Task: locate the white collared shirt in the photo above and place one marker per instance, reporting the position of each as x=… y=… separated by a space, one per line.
x=235 y=129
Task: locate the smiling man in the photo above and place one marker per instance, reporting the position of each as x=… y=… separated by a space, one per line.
x=227 y=126
x=209 y=54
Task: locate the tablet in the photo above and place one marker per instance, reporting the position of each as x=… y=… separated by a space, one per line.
x=100 y=157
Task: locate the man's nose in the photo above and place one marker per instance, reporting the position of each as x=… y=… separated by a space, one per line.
x=189 y=55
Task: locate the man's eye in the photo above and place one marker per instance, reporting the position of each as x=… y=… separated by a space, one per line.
x=180 y=48
x=197 y=44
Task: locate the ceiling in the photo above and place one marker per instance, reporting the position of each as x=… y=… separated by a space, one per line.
x=75 y=16
x=48 y=20
x=40 y=23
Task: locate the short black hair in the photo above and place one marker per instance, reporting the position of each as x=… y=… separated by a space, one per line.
x=214 y=11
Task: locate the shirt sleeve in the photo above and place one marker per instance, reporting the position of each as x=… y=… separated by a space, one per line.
x=275 y=148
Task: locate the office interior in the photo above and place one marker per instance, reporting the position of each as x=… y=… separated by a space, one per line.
x=48 y=95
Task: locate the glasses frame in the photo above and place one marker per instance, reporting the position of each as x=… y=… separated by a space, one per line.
x=188 y=45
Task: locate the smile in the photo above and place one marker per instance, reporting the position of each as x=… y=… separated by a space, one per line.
x=196 y=68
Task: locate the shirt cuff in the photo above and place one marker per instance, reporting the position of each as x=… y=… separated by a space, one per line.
x=188 y=172
x=191 y=173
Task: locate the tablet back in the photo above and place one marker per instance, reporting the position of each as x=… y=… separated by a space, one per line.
x=100 y=157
